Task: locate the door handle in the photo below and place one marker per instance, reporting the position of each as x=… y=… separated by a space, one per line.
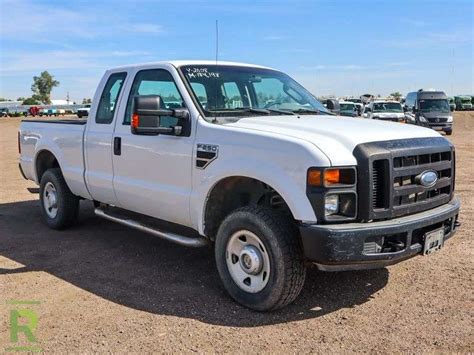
x=117 y=145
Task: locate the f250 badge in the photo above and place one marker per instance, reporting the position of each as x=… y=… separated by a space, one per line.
x=206 y=153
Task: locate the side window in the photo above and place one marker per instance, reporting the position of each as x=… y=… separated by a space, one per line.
x=155 y=82
x=108 y=100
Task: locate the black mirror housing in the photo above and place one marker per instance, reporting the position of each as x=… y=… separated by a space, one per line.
x=147 y=111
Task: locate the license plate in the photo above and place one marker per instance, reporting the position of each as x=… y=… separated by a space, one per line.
x=433 y=241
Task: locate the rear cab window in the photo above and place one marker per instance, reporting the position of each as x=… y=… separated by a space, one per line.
x=109 y=97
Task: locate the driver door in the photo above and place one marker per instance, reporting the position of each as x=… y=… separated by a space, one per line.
x=152 y=174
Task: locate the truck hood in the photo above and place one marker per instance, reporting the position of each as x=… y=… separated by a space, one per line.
x=335 y=136
x=389 y=114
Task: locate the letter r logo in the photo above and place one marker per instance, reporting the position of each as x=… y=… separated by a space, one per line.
x=17 y=324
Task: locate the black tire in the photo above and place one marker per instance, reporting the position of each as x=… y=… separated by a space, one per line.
x=67 y=202
x=448 y=133
x=281 y=240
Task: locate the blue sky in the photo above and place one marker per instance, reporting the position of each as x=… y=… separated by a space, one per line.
x=331 y=47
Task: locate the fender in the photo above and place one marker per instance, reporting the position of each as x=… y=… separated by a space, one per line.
x=73 y=174
x=288 y=186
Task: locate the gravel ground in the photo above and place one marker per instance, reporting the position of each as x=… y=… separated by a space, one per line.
x=105 y=288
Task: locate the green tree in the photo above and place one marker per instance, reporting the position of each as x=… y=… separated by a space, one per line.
x=42 y=86
x=30 y=101
x=396 y=95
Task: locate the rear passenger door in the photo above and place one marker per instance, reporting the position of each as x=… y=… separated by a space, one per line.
x=98 y=139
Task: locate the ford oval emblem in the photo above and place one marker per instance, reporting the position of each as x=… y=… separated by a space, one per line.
x=427 y=178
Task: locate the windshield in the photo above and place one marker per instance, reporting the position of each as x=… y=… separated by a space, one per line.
x=242 y=91
x=387 y=107
x=347 y=107
x=435 y=105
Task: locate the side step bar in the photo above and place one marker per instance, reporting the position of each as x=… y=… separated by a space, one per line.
x=175 y=238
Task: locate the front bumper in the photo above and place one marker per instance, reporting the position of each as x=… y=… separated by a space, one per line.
x=339 y=247
x=441 y=126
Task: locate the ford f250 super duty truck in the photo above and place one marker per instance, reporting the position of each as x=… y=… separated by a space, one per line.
x=243 y=158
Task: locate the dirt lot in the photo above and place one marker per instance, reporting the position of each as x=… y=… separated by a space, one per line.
x=106 y=288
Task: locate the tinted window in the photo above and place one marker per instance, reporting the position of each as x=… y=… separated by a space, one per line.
x=108 y=100
x=155 y=82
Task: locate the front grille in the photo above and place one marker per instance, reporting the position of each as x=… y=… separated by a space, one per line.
x=438 y=120
x=394 y=169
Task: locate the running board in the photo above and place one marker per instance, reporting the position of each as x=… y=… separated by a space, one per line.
x=172 y=237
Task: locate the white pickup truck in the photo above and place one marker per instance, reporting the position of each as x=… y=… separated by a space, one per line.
x=244 y=158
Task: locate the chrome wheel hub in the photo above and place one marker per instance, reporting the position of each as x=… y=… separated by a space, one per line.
x=248 y=261
x=50 y=201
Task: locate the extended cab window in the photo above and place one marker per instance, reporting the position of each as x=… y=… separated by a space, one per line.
x=108 y=100
x=155 y=82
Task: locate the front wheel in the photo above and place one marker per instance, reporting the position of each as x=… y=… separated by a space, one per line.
x=59 y=205
x=259 y=258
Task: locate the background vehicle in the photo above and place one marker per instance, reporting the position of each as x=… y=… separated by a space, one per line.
x=463 y=103
x=385 y=110
x=359 y=104
x=244 y=157
x=452 y=103
x=429 y=109
x=348 y=109
x=83 y=111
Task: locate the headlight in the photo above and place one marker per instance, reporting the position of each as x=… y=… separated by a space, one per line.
x=450 y=118
x=422 y=119
x=340 y=206
x=331 y=205
x=332 y=192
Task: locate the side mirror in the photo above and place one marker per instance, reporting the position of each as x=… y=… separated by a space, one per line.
x=405 y=108
x=147 y=116
x=333 y=105
x=368 y=109
x=451 y=108
x=414 y=109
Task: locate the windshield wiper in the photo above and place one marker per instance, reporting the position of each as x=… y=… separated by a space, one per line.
x=283 y=112
x=310 y=112
x=265 y=111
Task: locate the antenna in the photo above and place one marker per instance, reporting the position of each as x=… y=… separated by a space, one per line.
x=217 y=40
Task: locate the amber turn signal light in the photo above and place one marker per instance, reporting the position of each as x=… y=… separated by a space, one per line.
x=135 y=120
x=314 y=177
x=332 y=177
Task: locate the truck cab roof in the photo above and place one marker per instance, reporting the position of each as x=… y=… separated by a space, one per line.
x=180 y=63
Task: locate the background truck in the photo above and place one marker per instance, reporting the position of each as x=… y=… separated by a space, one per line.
x=463 y=102
x=83 y=111
x=384 y=110
x=273 y=183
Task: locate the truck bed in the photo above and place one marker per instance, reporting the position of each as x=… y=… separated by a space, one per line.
x=63 y=138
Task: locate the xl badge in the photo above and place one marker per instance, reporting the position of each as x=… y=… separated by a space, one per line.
x=206 y=153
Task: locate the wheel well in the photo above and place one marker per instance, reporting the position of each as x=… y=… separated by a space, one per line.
x=44 y=161
x=235 y=192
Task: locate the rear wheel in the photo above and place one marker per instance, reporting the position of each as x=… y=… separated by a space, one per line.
x=259 y=258
x=59 y=206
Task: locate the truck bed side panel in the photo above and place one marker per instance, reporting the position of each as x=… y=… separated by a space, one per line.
x=64 y=141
